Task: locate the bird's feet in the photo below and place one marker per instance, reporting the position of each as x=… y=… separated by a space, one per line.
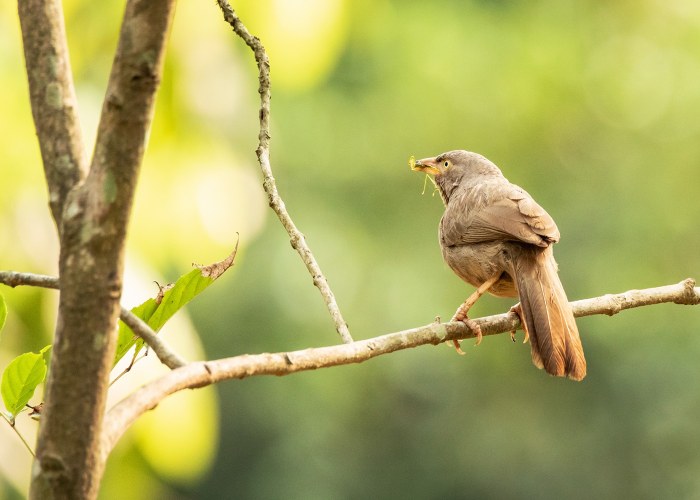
x=471 y=324
x=458 y=348
x=517 y=309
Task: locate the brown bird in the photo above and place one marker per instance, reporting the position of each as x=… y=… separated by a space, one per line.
x=495 y=237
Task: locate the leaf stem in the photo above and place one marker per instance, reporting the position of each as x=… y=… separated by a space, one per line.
x=14 y=428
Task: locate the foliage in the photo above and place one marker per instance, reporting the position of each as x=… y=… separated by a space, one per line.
x=170 y=299
x=3 y=311
x=20 y=379
x=27 y=371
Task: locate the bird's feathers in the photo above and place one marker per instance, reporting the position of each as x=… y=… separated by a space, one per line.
x=494 y=228
x=554 y=338
x=506 y=214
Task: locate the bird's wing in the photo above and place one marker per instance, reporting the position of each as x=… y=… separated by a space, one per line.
x=513 y=215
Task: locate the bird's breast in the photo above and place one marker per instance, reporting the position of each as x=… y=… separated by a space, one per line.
x=479 y=262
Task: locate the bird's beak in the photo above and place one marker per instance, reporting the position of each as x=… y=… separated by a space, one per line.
x=427 y=165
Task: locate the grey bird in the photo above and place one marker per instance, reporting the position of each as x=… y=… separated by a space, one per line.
x=495 y=237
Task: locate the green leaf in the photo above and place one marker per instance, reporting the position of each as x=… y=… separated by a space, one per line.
x=3 y=311
x=156 y=312
x=20 y=379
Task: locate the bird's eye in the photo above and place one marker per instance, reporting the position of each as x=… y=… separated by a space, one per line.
x=447 y=163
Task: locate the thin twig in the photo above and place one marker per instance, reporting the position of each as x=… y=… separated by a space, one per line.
x=14 y=279
x=199 y=374
x=12 y=424
x=296 y=238
x=165 y=353
x=134 y=359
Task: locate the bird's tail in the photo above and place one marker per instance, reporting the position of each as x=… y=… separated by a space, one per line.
x=554 y=338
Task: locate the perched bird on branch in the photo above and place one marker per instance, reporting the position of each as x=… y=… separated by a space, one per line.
x=495 y=237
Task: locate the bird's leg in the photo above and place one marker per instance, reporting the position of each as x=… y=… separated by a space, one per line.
x=461 y=313
x=517 y=309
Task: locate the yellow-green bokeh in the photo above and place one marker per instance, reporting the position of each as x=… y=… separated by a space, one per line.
x=591 y=106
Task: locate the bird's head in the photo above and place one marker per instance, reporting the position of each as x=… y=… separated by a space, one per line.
x=437 y=165
x=451 y=168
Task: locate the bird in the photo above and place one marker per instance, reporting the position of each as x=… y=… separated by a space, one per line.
x=494 y=236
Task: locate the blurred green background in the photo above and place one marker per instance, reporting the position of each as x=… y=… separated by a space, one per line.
x=593 y=107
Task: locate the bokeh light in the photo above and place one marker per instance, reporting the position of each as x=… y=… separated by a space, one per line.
x=593 y=107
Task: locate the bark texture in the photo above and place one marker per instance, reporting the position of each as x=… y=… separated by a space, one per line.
x=93 y=221
x=52 y=95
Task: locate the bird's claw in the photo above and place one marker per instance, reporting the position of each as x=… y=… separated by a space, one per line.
x=472 y=325
x=517 y=309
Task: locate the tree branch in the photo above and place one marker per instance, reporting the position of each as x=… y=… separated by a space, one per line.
x=52 y=95
x=685 y=293
x=14 y=279
x=163 y=351
x=69 y=462
x=199 y=374
x=165 y=354
x=296 y=238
